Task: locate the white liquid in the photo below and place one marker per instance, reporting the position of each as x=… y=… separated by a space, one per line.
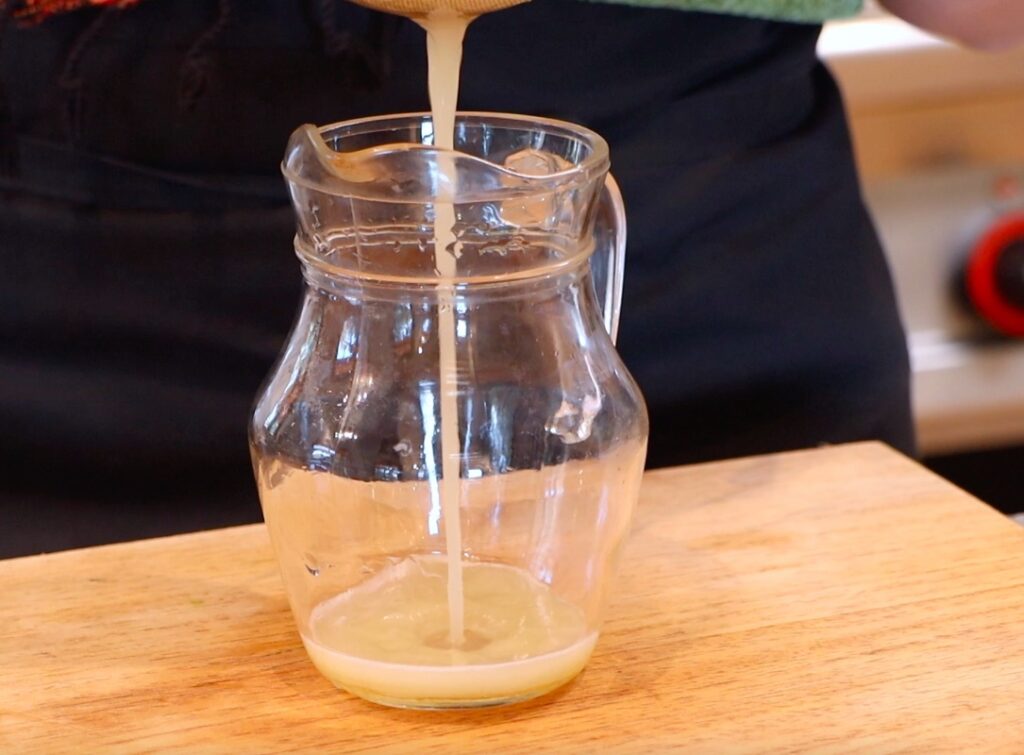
x=445 y=32
x=387 y=638
x=420 y=686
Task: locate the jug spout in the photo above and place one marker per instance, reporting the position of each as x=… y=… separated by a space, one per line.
x=388 y=172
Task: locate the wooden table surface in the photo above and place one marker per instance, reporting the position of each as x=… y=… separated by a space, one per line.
x=837 y=600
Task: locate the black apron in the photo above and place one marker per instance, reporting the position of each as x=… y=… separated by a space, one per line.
x=145 y=236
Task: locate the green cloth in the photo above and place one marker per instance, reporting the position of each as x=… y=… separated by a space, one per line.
x=810 y=11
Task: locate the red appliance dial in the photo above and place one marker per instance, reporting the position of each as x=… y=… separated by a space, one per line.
x=994 y=276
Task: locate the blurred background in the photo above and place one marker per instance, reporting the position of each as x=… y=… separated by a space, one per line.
x=939 y=135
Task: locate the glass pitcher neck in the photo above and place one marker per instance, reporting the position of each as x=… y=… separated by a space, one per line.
x=529 y=281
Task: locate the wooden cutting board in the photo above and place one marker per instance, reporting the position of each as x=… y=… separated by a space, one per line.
x=835 y=600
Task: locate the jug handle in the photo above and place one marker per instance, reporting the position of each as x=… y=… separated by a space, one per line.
x=610 y=240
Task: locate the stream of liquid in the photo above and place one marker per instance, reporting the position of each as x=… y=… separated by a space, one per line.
x=445 y=32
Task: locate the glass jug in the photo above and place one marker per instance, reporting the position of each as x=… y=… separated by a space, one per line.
x=448 y=464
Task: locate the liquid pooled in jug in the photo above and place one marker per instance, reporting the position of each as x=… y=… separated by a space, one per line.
x=381 y=628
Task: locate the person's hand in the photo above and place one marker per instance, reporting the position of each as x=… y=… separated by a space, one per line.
x=982 y=24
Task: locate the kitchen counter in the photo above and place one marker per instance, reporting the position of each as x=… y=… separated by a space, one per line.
x=841 y=599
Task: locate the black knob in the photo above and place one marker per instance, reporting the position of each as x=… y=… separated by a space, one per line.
x=1009 y=273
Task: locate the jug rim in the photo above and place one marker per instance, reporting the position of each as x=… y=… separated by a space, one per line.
x=595 y=162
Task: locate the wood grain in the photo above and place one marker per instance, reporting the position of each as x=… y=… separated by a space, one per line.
x=837 y=600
